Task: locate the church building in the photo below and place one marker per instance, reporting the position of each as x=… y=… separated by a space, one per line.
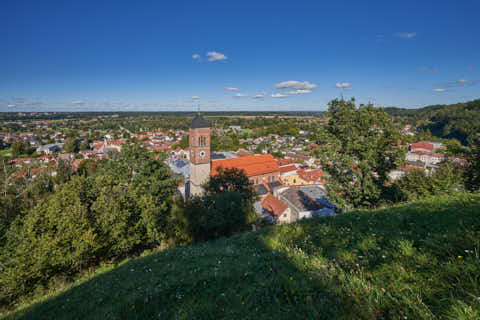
x=259 y=169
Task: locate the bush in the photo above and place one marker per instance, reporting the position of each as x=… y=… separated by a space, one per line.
x=212 y=216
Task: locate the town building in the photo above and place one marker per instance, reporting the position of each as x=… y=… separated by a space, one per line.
x=422 y=146
x=258 y=168
x=305 y=201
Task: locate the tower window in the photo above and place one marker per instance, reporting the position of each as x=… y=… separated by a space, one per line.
x=201 y=141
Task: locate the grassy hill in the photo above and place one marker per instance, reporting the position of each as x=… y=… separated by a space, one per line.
x=414 y=261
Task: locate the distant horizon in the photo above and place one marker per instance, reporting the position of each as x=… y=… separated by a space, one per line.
x=206 y=109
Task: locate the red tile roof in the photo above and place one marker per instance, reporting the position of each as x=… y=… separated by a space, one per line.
x=288 y=168
x=311 y=176
x=274 y=205
x=409 y=168
x=284 y=162
x=422 y=145
x=252 y=165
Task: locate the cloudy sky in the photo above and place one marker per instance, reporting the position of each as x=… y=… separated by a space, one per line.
x=236 y=55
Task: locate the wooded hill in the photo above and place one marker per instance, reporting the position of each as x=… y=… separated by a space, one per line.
x=460 y=121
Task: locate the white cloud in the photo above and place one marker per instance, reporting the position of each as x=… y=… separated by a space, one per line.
x=343 y=85
x=406 y=35
x=78 y=102
x=259 y=96
x=230 y=89
x=12 y=105
x=458 y=83
x=240 y=95
x=299 y=91
x=280 y=95
x=297 y=85
x=216 y=56
x=439 y=90
x=195 y=56
x=195 y=97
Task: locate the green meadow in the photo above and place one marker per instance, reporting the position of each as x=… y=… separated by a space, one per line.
x=419 y=260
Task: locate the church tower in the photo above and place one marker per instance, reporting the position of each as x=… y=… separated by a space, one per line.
x=199 y=142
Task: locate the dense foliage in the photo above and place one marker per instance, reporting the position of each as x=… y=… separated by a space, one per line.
x=418 y=184
x=360 y=154
x=472 y=173
x=119 y=210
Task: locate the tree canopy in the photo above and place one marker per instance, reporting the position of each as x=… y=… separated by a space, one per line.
x=360 y=154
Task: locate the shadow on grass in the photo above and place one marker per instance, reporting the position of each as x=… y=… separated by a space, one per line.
x=417 y=261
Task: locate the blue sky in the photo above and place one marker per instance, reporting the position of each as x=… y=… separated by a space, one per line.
x=171 y=55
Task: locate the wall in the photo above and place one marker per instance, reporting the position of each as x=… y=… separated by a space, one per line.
x=199 y=174
x=259 y=179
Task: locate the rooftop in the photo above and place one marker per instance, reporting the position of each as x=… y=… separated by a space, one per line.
x=199 y=122
x=306 y=198
x=273 y=205
x=252 y=165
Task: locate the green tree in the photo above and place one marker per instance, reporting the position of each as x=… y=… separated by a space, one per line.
x=225 y=209
x=72 y=144
x=55 y=238
x=85 y=145
x=472 y=172
x=64 y=171
x=184 y=143
x=454 y=147
x=361 y=153
x=417 y=184
x=231 y=180
x=19 y=148
x=87 y=167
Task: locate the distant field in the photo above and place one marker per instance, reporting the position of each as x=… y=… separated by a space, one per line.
x=414 y=261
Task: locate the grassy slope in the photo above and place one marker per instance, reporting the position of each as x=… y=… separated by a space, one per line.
x=415 y=261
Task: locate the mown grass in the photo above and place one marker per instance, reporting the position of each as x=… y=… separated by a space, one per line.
x=414 y=261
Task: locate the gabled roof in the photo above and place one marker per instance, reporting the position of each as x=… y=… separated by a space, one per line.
x=422 y=145
x=252 y=165
x=288 y=168
x=273 y=205
x=199 y=122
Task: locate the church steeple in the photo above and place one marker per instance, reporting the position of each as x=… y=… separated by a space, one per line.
x=199 y=141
